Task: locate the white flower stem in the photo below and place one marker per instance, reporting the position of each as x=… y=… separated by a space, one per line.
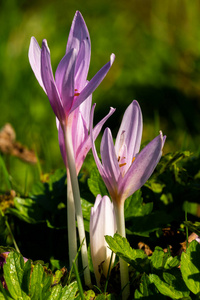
x=119 y=212
x=77 y=201
x=71 y=222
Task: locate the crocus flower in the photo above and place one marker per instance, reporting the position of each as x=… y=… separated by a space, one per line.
x=123 y=168
x=70 y=87
x=102 y=222
x=80 y=132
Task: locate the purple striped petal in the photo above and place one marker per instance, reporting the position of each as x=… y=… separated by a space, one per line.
x=109 y=160
x=93 y=83
x=49 y=83
x=82 y=66
x=65 y=79
x=78 y=33
x=34 y=55
x=96 y=158
x=130 y=133
x=142 y=168
x=86 y=146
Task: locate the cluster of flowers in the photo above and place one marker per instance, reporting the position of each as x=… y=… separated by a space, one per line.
x=123 y=168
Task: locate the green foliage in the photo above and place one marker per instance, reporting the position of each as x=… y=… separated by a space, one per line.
x=119 y=245
x=32 y=281
x=190 y=266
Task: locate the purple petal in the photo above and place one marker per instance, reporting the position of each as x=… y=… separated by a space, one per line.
x=49 y=83
x=78 y=33
x=96 y=158
x=109 y=161
x=82 y=66
x=86 y=146
x=65 y=79
x=130 y=133
x=34 y=55
x=85 y=109
x=93 y=83
x=142 y=168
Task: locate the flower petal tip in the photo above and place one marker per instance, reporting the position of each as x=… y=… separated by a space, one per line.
x=112 y=58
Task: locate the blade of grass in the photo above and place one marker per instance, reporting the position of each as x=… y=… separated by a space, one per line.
x=78 y=280
x=5 y=173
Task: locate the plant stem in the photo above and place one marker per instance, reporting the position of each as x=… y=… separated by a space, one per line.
x=77 y=201
x=71 y=222
x=119 y=211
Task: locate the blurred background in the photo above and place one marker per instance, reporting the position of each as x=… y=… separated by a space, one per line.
x=157 y=48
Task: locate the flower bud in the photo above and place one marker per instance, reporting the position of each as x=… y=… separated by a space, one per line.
x=102 y=222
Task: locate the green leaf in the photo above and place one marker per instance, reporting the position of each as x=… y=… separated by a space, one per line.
x=4 y=294
x=119 y=245
x=40 y=283
x=190 y=267
x=26 y=210
x=173 y=288
x=96 y=184
x=134 y=206
x=147 y=290
x=157 y=258
x=69 y=292
x=13 y=274
x=56 y=293
x=86 y=208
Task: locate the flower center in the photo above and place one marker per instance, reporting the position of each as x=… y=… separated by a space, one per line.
x=121 y=165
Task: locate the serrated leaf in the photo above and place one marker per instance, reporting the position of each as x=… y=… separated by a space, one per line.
x=157 y=258
x=96 y=184
x=190 y=266
x=56 y=293
x=40 y=283
x=135 y=257
x=176 y=289
x=172 y=262
x=69 y=292
x=13 y=275
x=134 y=206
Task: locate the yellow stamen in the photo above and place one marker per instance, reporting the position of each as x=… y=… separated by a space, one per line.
x=121 y=165
x=133 y=159
x=76 y=94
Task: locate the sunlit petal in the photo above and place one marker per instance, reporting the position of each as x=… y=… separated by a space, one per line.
x=34 y=55
x=93 y=83
x=142 y=167
x=131 y=129
x=49 y=83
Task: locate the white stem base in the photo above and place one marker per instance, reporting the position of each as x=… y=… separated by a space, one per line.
x=124 y=275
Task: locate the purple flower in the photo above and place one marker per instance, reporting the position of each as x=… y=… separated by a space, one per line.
x=70 y=87
x=80 y=119
x=123 y=168
x=102 y=222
